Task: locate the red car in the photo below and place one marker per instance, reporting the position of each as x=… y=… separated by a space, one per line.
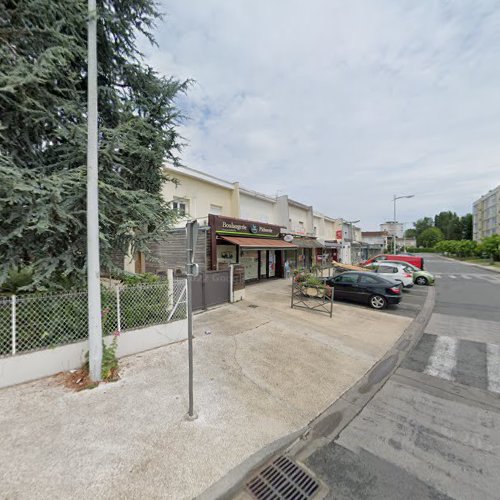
x=411 y=259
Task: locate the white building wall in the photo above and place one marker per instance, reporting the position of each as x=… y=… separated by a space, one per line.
x=203 y=195
x=254 y=206
x=300 y=219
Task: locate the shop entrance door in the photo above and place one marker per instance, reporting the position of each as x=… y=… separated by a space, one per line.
x=263 y=264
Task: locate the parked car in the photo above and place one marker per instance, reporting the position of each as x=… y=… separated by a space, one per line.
x=419 y=277
x=367 y=288
x=411 y=259
x=394 y=272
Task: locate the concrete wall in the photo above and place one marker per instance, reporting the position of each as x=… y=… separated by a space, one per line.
x=300 y=214
x=257 y=208
x=30 y=366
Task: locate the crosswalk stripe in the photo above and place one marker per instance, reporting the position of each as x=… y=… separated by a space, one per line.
x=468 y=276
x=493 y=367
x=442 y=360
x=489 y=278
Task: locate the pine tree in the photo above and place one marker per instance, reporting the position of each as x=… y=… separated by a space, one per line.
x=43 y=82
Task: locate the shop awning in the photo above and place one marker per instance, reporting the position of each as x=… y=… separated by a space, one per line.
x=307 y=243
x=257 y=242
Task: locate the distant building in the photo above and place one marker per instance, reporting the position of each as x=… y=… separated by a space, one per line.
x=375 y=238
x=393 y=228
x=486 y=215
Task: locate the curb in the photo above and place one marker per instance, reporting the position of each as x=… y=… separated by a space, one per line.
x=479 y=266
x=328 y=425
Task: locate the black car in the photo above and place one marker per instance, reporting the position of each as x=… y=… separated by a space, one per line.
x=365 y=287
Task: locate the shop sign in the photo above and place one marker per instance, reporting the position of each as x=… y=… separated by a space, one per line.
x=288 y=238
x=225 y=225
x=338 y=234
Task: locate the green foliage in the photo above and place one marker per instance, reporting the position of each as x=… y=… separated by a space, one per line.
x=466 y=223
x=410 y=233
x=139 y=279
x=460 y=248
x=48 y=320
x=43 y=80
x=449 y=224
x=18 y=280
x=109 y=360
x=420 y=250
x=490 y=247
x=421 y=225
x=313 y=281
x=430 y=236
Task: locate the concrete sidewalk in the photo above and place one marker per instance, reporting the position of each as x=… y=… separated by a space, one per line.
x=262 y=373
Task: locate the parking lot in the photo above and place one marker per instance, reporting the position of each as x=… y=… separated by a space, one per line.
x=410 y=305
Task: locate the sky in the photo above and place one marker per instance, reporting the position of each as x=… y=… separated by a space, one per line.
x=341 y=104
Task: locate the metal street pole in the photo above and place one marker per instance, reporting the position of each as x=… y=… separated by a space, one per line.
x=191 y=270
x=93 y=264
x=394 y=226
x=394 y=221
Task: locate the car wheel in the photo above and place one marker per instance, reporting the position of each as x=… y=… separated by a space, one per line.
x=421 y=280
x=378 y=302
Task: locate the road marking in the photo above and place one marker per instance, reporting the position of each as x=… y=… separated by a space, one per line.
x=442 y=360
x=452 y=276
x=489 y=278
x=493 y=367
x=465 y=276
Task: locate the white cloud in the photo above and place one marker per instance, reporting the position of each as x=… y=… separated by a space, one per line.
x=341 y=104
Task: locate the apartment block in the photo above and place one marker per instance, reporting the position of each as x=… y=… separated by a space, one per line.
x=486 y=215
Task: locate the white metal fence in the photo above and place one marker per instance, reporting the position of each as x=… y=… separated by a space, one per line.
x=42 y=321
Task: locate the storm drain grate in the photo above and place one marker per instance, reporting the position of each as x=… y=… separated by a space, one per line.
x=283 y=480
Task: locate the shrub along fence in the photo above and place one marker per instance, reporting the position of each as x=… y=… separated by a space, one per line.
x=41 y=321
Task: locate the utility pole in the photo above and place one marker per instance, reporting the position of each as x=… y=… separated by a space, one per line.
x=394 y=199
x=93 y=263
x=394 y=226
x=191 y=270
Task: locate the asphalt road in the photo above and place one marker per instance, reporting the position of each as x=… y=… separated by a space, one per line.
x=433 y=430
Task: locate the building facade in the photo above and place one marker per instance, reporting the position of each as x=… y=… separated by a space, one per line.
x=393 y=228
x=486 y=215
x=301 y=237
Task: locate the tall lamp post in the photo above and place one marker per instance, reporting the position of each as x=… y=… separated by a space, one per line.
x=394 y=199
x=350 y=223
x=93 y=264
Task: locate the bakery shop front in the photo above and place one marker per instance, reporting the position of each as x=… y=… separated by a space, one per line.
x=257 y=246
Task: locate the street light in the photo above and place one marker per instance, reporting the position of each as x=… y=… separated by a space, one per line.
x=394 y=233
x=350 y=223
x=93 y=262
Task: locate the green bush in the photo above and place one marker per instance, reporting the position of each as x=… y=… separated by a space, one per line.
x=138 y=279
x=459 y=248
x=48 y=320
x=313 y=281
x=18 y=279
x=420 y=250
x=490 y=247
